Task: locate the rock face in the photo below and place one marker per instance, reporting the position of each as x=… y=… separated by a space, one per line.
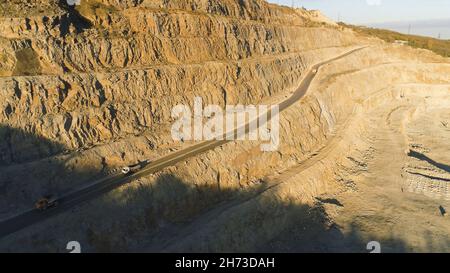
x=103 y=71
x=89 y=88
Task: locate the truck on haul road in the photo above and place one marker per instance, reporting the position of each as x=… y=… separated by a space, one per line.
x=128 y=170
x=45 y=203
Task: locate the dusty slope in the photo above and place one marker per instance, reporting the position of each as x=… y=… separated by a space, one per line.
x=88 y=90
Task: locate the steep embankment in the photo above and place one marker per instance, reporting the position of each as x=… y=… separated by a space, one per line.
x=90 y=89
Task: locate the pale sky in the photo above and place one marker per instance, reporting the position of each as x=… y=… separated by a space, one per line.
x=421 y=17
x=376 y=11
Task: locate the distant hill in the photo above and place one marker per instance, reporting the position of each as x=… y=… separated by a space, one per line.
x=430 y=28
x=439 y=46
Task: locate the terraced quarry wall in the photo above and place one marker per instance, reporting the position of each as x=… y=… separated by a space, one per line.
x=88 y=90
x=99 y=85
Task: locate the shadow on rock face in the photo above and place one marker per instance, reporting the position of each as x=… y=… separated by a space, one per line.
x=19 y=146
x=73 y=18
x=425 y=158
x=165 y=213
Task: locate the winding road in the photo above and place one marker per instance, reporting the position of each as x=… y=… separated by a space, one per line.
x=107 y=184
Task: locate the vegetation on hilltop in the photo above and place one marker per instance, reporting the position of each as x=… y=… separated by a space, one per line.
x=441 y=47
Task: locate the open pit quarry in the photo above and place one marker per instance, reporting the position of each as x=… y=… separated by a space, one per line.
x=87 y=89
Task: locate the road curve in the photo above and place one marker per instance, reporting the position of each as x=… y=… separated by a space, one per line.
x=107 y=184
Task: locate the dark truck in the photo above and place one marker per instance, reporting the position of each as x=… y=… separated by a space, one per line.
x=45 y=203
x=128 y=170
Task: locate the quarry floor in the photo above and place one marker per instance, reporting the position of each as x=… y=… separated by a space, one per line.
x=402 y=196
